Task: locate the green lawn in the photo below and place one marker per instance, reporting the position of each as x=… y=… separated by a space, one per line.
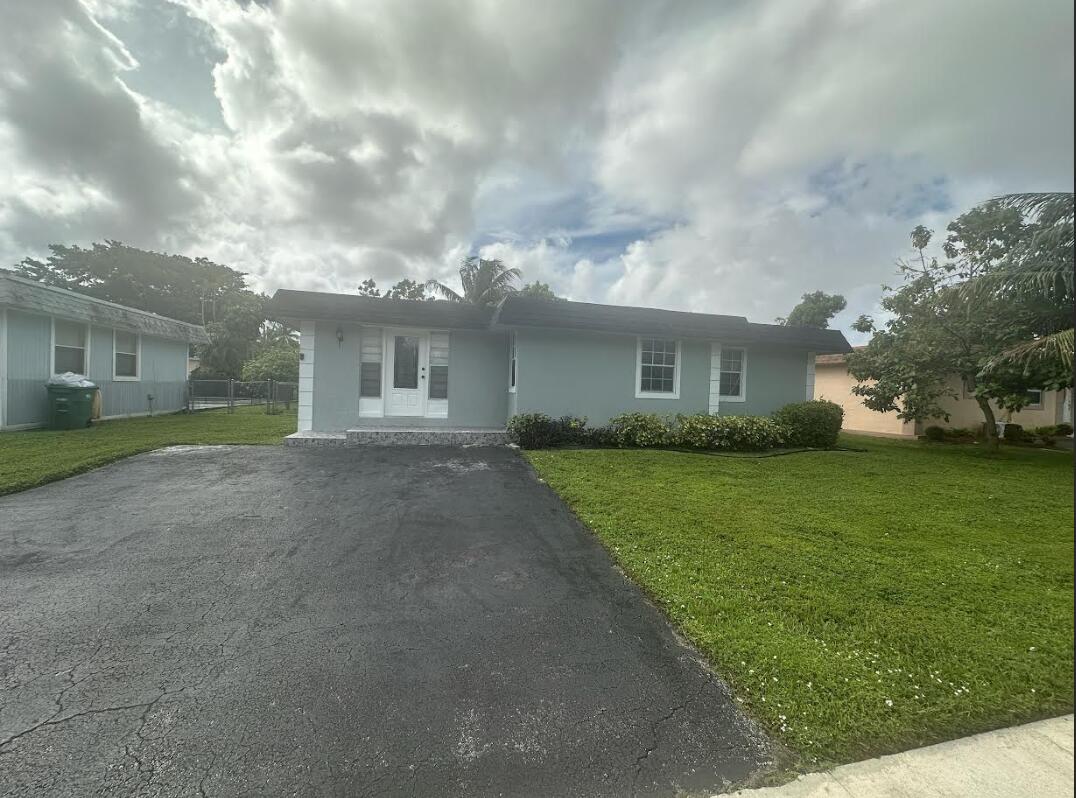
x=35 y=457
x=857 y=602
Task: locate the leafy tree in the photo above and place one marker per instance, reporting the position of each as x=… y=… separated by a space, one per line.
x=1038 y=273
x=485 y=282
x=403 y=289
x=195 y=290
x=538 y=289
x=939 y=329
x=279 y=360
x=815 y=310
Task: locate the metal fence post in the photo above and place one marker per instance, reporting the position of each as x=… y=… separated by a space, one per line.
x=231 y=395
x=269 y=397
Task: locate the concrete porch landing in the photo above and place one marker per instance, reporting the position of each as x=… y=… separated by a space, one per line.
x=402 y=436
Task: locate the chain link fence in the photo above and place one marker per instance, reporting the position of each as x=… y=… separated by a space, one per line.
x=274 y=396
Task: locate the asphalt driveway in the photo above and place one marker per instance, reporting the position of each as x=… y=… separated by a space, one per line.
x=261 y=620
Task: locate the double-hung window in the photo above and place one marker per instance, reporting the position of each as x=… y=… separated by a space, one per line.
x=370 y=363
x=124 y=355
x=1034 y=399
x=68 y=347
x=733 y=374
x=657 y=368
x=438 y=365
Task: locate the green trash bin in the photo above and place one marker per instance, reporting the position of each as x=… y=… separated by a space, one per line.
x=70 y=407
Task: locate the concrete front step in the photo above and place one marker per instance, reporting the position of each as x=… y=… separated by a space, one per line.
x=425 y=436
x=400 y=436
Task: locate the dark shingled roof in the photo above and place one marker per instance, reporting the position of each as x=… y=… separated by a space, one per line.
x=24 y=294
x=314 y=305
x=522 y=311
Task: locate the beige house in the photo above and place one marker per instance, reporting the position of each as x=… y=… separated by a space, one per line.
x=833 y=382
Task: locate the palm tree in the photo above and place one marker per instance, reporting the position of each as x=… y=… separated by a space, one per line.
x=1039 y=272
x=485 y=282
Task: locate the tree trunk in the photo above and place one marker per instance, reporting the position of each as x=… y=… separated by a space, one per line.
x=991 y=430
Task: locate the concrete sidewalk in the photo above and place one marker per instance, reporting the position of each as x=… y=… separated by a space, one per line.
x=1032 y=760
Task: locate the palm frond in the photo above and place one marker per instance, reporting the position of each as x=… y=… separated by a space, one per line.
x=1056 y=347
x=438 y=288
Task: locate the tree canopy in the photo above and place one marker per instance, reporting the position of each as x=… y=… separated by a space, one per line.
x=403 y=289
x=538 y=289
x=195 y=290
x=815 y=310
x=940 y=328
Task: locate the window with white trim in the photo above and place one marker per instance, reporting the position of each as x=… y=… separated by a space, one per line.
x=732 y=373
x=1034 y=399
x=658 y=368
x=370 y=363
x=438 y=365
x=124 y=355
x=68 y=347
x=512 y=364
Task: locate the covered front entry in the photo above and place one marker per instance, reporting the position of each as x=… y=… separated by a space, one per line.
x=407 y=355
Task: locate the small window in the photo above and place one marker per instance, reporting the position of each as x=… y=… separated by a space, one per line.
x=69 y=347
x=658 y=368
x=125 y=365
x=1034 y=399
x=370 y=364
x=732 y=373
x=512 y=365
x=439 y=365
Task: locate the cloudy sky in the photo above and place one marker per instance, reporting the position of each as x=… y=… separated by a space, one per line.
x=711 y=156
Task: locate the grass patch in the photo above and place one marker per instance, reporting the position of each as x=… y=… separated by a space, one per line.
x=858 y=602
x=34 y=457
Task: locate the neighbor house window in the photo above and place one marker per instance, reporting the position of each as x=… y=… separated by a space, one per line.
x=439 y=365
x=512 y=365
x=658 y=368
x=69 y=347
x=125 y=355
x=733 y=363
x=1034 y=399
x=370 y=364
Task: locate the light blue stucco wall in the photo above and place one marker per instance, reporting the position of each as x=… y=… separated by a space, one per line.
x=29 y=338
x=477 y=381
x=593 y=375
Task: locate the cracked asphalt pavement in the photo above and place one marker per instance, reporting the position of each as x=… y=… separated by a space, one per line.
x=360 y=622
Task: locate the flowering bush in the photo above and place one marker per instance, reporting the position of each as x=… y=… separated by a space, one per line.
x=728 y=433
x=639 y=429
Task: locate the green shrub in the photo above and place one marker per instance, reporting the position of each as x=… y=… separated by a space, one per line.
x=934 y=433
x=1053 y=430
x=640 y=429
x=539 y=431
x=531 y=430
x=729 y=433
x=1062 y=429
x=814 y=424
x=1014 y=433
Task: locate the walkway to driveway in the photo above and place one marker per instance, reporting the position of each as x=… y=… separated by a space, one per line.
x=272 y=621
x=1030 y=761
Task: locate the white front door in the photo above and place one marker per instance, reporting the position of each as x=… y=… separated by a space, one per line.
x=406 y=366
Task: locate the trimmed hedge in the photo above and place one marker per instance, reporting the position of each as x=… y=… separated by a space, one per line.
x=813 y=424
x=731 y=433
x=640 y=429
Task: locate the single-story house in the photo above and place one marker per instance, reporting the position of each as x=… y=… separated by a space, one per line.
x=137 y=358
x=368 y=362
x=833 y=382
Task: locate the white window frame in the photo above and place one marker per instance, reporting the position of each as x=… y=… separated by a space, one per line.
x=513 y=365
x=138 y=358
x=742 y=395
x=1036 y=405
x=641 y=394
x=52 y=345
